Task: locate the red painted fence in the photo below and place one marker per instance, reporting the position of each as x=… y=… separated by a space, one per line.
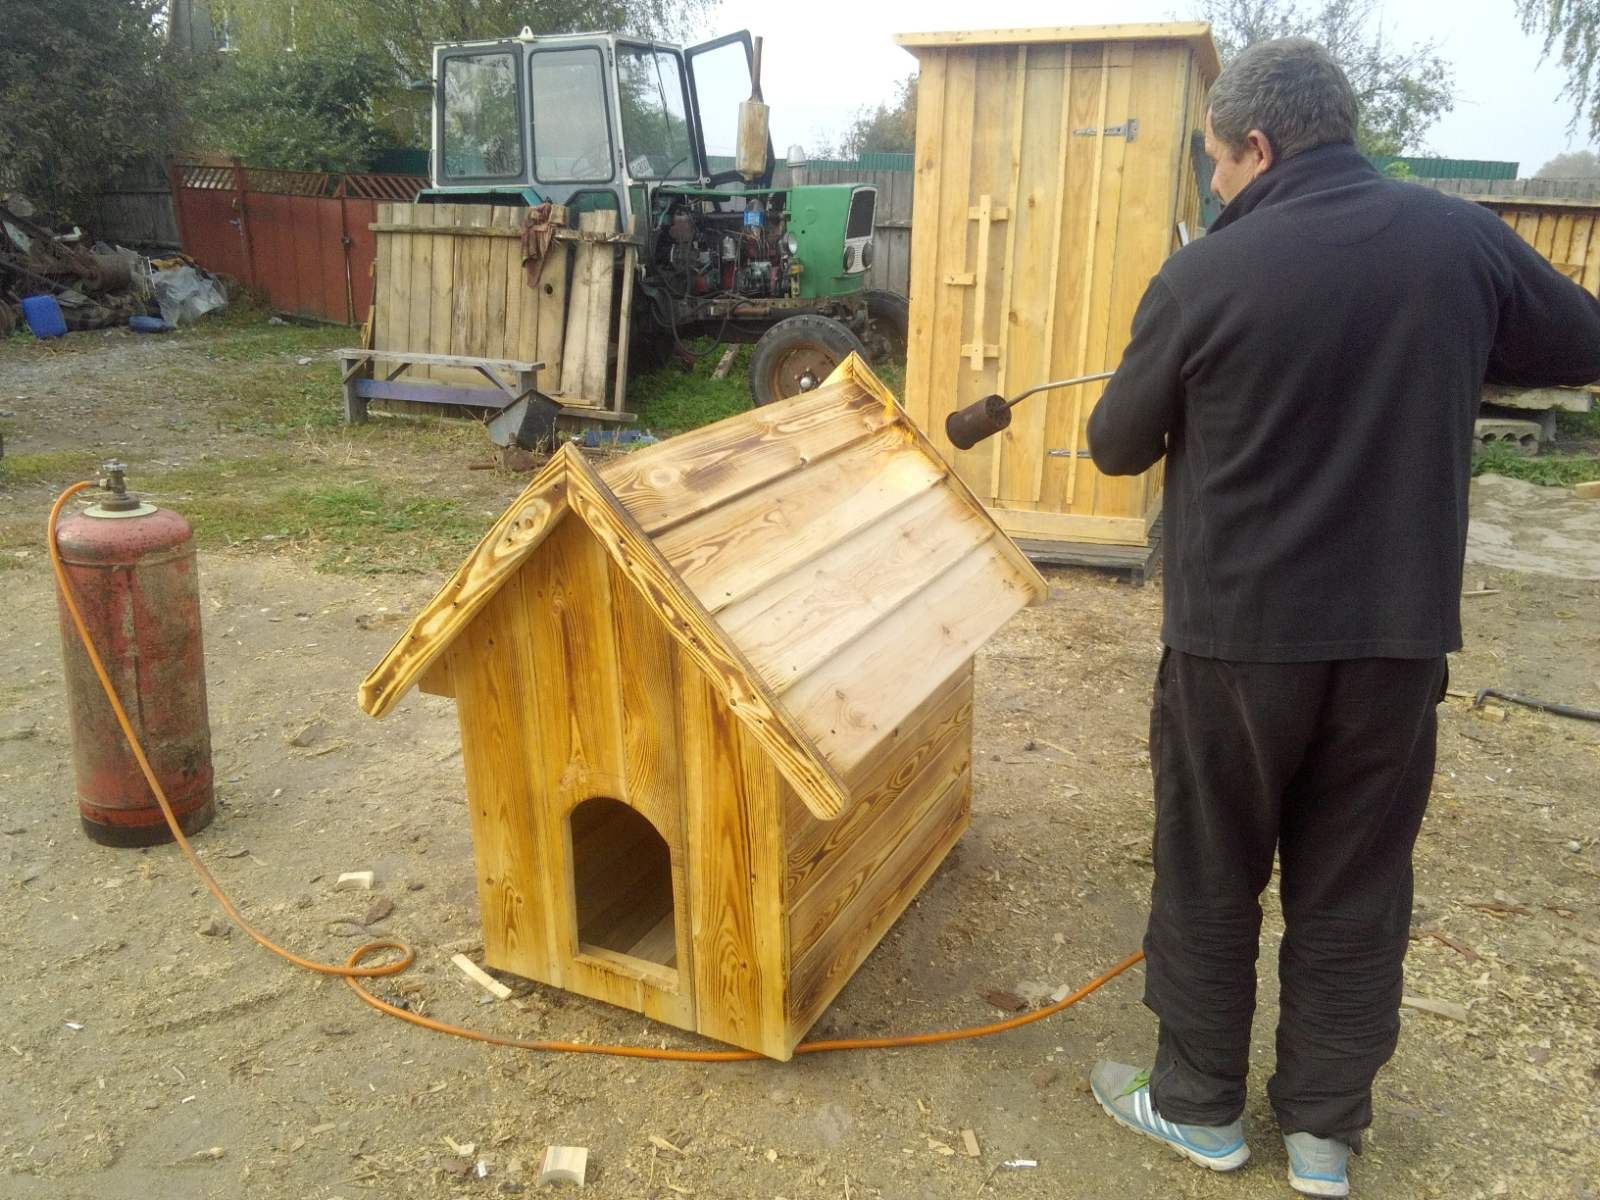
x=299 y=236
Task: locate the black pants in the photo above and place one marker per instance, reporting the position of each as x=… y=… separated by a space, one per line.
x=1329 y=764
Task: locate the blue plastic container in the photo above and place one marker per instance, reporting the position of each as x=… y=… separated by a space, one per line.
x=43 y=316
x=143 y=324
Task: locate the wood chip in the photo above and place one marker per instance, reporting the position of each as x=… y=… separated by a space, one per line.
x=939 y=1147
x=1439 y=1008
x=1006 y=1001
x=661 y=1143
x=564 y=1164
x=1466 y=952
x=969 y=1142
x=484 y=980
x=354 y=881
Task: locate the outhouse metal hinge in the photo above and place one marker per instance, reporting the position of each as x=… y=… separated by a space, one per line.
x=1129 y=129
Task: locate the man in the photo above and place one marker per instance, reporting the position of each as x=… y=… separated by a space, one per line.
x=1311 y=370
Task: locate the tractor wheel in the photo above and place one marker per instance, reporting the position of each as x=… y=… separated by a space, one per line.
x=888 y=327
x=797 y=354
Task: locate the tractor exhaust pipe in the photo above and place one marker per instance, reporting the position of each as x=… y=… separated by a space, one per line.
x=968 y=426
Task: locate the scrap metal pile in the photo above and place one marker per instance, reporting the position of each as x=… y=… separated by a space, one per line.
x=94 y=284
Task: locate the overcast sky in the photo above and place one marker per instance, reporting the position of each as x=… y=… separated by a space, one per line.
x=837 y=55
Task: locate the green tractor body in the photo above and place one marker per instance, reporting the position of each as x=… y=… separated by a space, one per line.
x=650 y=131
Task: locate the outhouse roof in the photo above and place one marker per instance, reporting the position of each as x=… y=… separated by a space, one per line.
x=1197 y=33
x=815 y=557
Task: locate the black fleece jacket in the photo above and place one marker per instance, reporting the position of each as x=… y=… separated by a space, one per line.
x=1311 y=369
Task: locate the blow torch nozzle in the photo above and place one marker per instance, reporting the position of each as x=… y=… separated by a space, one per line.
x=968 y=426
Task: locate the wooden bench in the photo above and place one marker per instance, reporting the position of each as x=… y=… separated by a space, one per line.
x=525 y=416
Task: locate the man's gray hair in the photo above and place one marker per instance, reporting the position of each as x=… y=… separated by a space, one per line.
x=1292 y=91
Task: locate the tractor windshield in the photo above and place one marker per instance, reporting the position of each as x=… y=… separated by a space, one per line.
x=482 y=120
x=571 y=137
x=655 y=122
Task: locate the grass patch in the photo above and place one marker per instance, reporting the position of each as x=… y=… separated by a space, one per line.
x=1549 y=470
x=672 y=400
x=1579 y=426
x=354 y=526
x=55 y=466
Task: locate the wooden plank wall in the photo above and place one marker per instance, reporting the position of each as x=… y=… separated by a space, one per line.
x=1565 y=233
x=450 y=281
x=1033 y=241
x=849 y=880
x=569 y=688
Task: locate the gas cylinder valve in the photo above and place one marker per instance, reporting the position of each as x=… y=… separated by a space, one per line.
x=113 y=478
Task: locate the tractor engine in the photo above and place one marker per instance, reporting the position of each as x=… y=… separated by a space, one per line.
x=704 y=252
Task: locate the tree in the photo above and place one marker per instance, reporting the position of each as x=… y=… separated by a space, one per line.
x=372 y=52
x=1580 y=164
x=84 y=92
x=402 y=33
x=1402 y=91
x=887 y=128
x=310 y=110
x=1573 y=28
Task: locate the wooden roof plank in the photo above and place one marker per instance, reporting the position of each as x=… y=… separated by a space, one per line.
x=665 y=485
x=796 y=625
x=737 y=549
x=858 y=372
x=854 y=701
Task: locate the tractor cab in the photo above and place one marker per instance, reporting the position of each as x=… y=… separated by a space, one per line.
x=660 y=135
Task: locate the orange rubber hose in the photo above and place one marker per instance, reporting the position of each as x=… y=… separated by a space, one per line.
x=352 y=972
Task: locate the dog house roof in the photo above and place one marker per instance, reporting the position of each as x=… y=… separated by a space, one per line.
x=814 y=557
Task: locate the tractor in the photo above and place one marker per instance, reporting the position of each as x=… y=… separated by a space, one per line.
x=674 y=140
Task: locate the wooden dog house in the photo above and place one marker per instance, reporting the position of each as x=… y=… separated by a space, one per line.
x=1055 y=168
x=715 y=702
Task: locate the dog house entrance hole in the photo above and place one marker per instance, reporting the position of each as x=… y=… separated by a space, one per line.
x=622 y=884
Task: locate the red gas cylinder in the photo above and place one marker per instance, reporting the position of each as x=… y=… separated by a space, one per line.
x=132 y=570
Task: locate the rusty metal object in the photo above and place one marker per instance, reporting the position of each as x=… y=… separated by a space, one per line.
x=132 y=570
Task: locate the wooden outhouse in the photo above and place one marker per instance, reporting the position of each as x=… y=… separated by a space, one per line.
x=1056 y=170
x=715 y=701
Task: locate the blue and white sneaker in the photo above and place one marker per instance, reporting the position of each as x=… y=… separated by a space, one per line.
x=1317 y=1165
x=1124 y=1092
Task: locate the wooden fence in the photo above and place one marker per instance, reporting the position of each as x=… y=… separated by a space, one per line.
x=450 y=281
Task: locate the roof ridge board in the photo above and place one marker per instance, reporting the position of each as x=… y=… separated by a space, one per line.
x=517 y=533
x=795 y=754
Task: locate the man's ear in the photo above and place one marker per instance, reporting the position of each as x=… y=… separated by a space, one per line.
x=1262 y=145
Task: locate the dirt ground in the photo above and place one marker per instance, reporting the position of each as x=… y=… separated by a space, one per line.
x=142 y=1057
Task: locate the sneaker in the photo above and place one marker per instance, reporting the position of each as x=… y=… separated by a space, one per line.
x=1124 y=1092
x=1317 y=1165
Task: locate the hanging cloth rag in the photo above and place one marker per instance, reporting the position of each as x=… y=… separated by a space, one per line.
x=538 y=233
